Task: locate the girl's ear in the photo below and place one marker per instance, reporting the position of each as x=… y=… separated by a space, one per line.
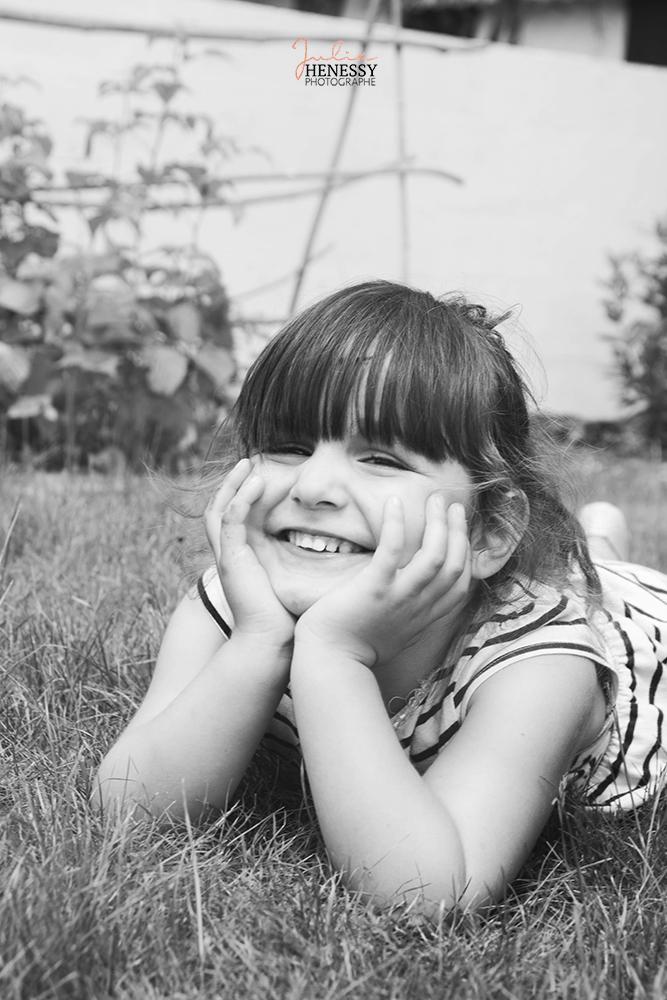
x=490 y=554
x=491 y=548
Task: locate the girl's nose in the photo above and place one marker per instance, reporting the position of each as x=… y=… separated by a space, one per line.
x=320 y=479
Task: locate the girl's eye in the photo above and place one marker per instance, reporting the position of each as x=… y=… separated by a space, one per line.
x=287 y=448
x=382 y=459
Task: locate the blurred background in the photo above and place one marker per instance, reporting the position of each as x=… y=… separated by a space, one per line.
x=174 y=185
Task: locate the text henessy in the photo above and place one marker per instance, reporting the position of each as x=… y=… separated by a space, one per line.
x=339 y=65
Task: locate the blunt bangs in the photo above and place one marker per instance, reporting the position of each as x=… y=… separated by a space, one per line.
x=365 y=361
x=395 y=365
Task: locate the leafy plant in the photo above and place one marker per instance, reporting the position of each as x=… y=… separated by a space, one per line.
x=637 y=305
x=122 y=344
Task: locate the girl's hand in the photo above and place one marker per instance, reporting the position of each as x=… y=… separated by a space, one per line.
x=388 y=607
x=257 y=611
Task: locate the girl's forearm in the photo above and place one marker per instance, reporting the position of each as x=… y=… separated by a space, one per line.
x=196 y=750
x=382 y=824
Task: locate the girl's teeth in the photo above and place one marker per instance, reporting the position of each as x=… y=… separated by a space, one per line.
x=321 y=543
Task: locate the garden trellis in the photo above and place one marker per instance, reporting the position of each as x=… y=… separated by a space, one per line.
x=334 y=177
x=168 y=343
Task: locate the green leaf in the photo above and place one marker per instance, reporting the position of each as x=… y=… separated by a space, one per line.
x=109 y=301
x=156 y=175
x=14 y=367
x=166 y=368
x=34 y=239
x=185 y=322
x=217 y=363
x=96 y=362
x=35 y=267
x=19 y=296
x=12 y=121
x=86 y=178
x=166 y=90
x=32 y=406
x=96 y=221
x=96 y=126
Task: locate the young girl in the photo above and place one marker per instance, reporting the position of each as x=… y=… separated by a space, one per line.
x=400 y=599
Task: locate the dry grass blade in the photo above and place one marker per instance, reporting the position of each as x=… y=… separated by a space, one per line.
x=4 y=590
x=5 y=545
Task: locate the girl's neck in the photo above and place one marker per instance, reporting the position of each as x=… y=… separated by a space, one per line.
x=401 y=676
x=439 y=646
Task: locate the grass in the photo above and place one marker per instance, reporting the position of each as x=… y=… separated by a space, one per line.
x=247 y=907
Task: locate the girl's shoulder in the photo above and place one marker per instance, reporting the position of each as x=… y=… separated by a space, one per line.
x=624 y=634
x=533 y=620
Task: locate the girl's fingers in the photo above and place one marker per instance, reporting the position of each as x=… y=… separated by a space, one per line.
x=434 y=540
x=458 y=543
x=221 y=499
x=234 y=516
x=428 y=560
x=229 y=487
x=387 y=557
x=444 y=550
x=226 y=515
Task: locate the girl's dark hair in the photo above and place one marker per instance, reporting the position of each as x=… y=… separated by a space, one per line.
x=435 y=376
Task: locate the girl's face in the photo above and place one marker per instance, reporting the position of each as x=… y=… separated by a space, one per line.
x=318 y=520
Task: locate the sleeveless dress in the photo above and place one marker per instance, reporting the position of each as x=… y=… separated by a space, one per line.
x=625 y=637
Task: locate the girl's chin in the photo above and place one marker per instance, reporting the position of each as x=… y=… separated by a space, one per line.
x=297 y=590
x=297 y=604
x=298 y=600
x=297 y=608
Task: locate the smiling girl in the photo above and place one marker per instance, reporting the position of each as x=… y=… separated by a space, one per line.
x=400 y=599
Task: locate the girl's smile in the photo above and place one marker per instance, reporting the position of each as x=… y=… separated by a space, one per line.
x=320 y=543
x=319 y=518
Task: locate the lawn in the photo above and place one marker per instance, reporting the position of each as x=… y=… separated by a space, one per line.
x=246 y=906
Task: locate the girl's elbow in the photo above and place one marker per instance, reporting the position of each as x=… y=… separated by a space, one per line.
x=431 y=901
x=120 y=790
x=430 y=882
x=115 y=792
x=444 y=891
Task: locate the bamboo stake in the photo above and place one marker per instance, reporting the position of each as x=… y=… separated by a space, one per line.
x=288 y=176
x=397 y=18
x=236 y=203
x=423 y=40
x=329 y=180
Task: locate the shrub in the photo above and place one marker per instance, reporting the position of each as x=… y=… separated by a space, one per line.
x=118 y=346
x=637 y=305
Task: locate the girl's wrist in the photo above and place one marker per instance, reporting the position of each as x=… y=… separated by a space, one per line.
x=263 y=646
x=317 y=645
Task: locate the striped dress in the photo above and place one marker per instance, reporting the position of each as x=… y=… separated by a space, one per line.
x=626 y=638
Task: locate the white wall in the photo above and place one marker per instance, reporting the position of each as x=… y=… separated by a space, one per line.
x=563 y=156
